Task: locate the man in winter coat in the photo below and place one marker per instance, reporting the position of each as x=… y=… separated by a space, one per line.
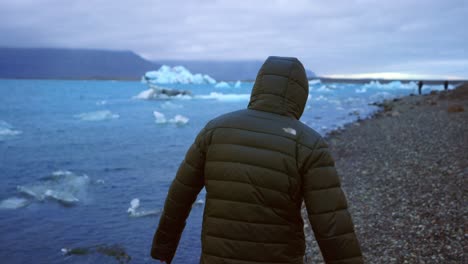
x=258 y=165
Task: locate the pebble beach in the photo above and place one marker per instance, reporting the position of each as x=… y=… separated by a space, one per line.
x=404 y=173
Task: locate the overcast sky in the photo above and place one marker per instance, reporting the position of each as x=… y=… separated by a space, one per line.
x=332 y=37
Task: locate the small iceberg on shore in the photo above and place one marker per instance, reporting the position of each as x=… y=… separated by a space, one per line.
x=97 y=116
x=134 y=212
x=177 y=74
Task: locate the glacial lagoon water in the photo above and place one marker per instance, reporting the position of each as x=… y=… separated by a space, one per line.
x=84 y=163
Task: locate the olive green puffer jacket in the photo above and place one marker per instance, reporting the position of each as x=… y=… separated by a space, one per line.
x=258 y=165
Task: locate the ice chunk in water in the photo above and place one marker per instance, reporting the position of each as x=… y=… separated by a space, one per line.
x=134 y=212
x=14 y=203
x=97 y=116
x=62 y=186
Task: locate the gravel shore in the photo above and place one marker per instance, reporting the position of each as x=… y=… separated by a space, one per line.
x=404 y=173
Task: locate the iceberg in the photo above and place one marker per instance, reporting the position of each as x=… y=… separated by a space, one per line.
x=315 y=81
x=64 y=187
x=222 y=85
x=14 y=203
x=238 y=84
x=178 y=119
x=160 y=117
x=155 y=92
x=177 y=74
x=134 y=212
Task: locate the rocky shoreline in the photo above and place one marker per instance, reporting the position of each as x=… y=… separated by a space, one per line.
x=404 y=173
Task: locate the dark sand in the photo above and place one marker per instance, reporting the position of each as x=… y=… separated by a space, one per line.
x=404 y=172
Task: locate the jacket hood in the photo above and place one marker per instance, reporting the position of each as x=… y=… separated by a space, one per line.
x=281 y=87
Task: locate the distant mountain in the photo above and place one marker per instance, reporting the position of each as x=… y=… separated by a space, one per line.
x=224 y=70
x=53 y=63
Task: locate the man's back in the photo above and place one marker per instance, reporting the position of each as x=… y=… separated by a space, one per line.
x=257 y=166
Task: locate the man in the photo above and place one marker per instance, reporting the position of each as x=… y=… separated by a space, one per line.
x=258 y=165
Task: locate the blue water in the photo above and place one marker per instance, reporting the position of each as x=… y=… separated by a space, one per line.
x=124 y=154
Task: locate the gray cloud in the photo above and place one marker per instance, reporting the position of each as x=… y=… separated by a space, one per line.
x=330 y=37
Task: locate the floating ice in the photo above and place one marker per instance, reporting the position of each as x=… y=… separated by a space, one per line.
x=62 y=186
x=225 y=97
x=325 y=88
x=361 y=90
x=160 y=117
x=177 y=74
x=238 y=84
x=14 y=203
x=102 y=102
x=6 y=130
x=97 y=116
x=178 y=119
x=156 y=92
x=134 y=212
x=145 y=95
x=222 y=85
x=314 y=82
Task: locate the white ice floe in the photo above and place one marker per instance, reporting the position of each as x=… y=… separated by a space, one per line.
x=315 y=82
x=325 y=88
x=133 y=210
x=177 y=74
x=160 y=117
x=102 y=102
x=361 y=90
x=225 y=97
x=222 y=85
x=6 y=130
x=145 y=95
x=177 y=119
x=238 y=84
x=62 y=186
x=97 y=116
x=160 y=93
x=14 y=203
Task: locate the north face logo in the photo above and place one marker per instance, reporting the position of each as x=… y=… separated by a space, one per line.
x=289 y=130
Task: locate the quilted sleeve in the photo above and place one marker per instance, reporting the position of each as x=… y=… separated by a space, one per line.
x=183 y=191
x=327 y=208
